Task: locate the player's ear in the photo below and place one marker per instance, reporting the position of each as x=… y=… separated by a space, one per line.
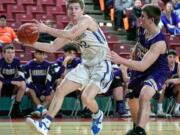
x=152 y=19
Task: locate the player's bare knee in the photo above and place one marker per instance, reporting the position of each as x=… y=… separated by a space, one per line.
x=86 y=99
x=1 y=84
x=60 y=91
x=177 y=88
x=22 y=86
x=143 y=97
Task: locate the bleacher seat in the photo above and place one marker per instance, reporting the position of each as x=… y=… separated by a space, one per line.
x=7 y=2
x=172 y=41
x=44 y=17
x=61 y=3
x=59 y=54
x=15 y=9
x=18 y=46
x=51 y=57
x=2 y=10
x=123 y=49
x=110 y=37
x=24 y=17
x=24 y=56
x=34 y=9
x=26 y=2
x=55 y=10
x=46 y=2
x=14 y=25
x=125 y=55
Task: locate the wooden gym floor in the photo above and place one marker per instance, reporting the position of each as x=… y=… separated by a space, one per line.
x=82 y=127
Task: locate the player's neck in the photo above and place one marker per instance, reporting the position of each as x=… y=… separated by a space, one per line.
x=171 y=66
x=8 y=61
x=151 y=31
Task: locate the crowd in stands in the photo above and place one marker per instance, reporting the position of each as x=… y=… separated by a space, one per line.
x=38 y=78
x=127 y=12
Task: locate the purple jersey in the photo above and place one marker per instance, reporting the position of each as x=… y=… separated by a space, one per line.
x=117 y=72
x=174 y=71
x=157 y=73
x=37 y=76
x=10 y=71
x=70 y=65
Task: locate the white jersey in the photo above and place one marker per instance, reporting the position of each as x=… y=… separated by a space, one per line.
x=93 y=46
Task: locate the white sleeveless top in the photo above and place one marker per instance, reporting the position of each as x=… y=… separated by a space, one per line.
x=93 y=46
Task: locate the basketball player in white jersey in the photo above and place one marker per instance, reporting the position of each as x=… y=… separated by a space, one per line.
x=93 y=75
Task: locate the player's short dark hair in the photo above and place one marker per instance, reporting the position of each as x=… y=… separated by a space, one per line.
x=152 y=11
x=2 y=16
x=39 y=51
x=6 y=47
x=81 y=3
x=70 y=47
x=172 y=52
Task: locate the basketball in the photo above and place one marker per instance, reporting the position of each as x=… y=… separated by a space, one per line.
x=25 y=35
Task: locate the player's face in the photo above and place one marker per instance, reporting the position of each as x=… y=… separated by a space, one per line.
x=9 y=55
x=2 y=22
x=71 y=53
x=74 y=11
x=137 y=3
x=145 y=20
x=171 y=59
x=40 y=57
x=169 y=7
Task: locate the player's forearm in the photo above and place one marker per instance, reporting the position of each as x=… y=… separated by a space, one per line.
x=45 y=47
x=59 y=33
x=135 y=65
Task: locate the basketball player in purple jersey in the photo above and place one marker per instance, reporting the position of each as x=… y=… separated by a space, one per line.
x=149 y=66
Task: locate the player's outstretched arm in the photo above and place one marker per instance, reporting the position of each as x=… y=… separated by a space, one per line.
x=149 y=58
x=83 y=23
x=51 y=48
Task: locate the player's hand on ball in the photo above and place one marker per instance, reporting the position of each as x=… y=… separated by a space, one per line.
x=39 y=26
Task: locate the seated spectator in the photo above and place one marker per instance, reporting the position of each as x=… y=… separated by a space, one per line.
x=117 y=89
x=172 y=85
x=120 y=7
x=66 y=62
x=7 y=34
x=109 y=4
x=133 y=22
x=38 y=82
x=12 y=79
x=63 y=65
x=176 y=5
x=170 y=20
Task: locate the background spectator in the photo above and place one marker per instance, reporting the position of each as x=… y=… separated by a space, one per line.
x=120 y=7
x=38 y=86
x=170 y=19
x=7 y=34
x=12 y=79
x=172 y=85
